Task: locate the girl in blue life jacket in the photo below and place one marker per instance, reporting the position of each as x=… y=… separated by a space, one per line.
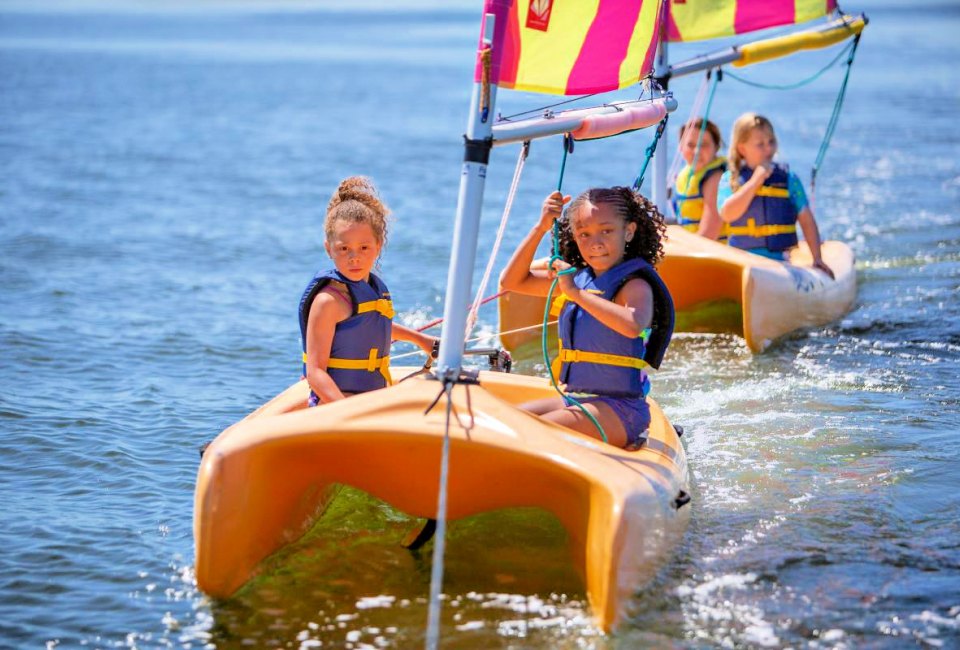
x=695 y=190
x=762 y=201
x=617 y=315
x=346 y=314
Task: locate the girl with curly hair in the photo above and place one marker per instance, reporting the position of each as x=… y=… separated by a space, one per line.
x=346 y=314
x=617 y=315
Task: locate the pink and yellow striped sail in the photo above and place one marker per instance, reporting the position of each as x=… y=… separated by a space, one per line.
x=572 y=47
x=696 y=20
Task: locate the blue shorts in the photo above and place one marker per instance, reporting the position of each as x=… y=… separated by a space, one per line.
x=780 y=256
x=634 y=414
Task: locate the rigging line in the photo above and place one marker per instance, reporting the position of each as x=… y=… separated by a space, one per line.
x=555 y=256
x=703 y=128
x=481 y=337
x=439 y=544
x=472 y=315
x=651 y=148
x=567 y=400
x=694 y=110
x=832 y=124
x=548 y=107
x=802 y=82
x=438 y=321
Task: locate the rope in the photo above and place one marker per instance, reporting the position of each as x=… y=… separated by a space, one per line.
x=802 y=82
x=521 y=159
x=555 y=256
x=485 y=55
x=439 y=545
x=481 y=337
x=694 y=110
x=651 y=148
x=832 y=124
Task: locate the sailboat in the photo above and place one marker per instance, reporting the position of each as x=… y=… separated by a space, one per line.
x=715 y=287
x=450 y=442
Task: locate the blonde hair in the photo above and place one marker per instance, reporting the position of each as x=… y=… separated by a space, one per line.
x=742 y=128
x=356 y=200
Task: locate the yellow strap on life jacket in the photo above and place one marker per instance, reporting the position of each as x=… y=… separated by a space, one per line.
x=383 y=305
x=562 y=299
x=372 y=363
x=773 y=192
x=753 y=230
x=576 y=356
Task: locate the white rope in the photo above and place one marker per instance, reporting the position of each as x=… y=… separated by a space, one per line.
x=694 y=112
x=394 y=357
x=439 y=544
x=472 y=316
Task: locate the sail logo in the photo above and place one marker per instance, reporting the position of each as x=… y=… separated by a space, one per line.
x=538 y=17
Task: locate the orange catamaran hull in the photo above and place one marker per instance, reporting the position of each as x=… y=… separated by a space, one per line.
x=717 y=288
x=267 y=479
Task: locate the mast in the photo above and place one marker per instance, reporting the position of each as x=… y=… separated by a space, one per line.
x=661 y=75
x=477 y=145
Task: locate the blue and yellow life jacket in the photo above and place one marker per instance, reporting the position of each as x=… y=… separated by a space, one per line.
x=360 y=351
x=770 y=221
x=598 y=360
x=688 y=195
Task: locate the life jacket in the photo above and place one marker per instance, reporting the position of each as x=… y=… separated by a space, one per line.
x=688 y=197
x=770 y=221
x=598 y=360
x=360 y=351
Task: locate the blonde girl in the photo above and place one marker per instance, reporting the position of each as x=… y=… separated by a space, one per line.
x=761 y=200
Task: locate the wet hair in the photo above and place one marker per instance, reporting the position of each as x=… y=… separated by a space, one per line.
x=740 y=133
x=647 y=242
x=356 y=200
x=706 y=125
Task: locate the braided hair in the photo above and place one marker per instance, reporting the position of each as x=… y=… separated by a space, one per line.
x=647 y=241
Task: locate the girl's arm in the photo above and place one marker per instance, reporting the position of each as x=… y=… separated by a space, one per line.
x=326 y=311
x=629 y=313
x=734 y=207
x=424 y=341
x=812 y=235
x=517 y=276
x=710 y=222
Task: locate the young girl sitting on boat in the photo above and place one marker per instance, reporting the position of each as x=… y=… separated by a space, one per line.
x=695 y=192
x=346 y=314
x=762 y=201
x=617 y=317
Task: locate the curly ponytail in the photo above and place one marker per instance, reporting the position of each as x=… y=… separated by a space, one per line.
x=356 y=200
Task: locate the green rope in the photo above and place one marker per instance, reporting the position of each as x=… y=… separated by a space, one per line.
x=803 y=82
x=555 y=236
x=835 y=116
x=651 y=148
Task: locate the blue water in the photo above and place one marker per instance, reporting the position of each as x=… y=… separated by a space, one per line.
x=163 y=176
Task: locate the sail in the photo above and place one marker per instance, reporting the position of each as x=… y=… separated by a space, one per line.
x=696 y=20
x=561 y=47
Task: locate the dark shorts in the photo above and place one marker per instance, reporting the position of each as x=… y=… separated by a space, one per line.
x=634 y=414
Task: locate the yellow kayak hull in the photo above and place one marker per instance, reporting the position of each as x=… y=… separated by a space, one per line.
x=717 y=288
x=265 y=480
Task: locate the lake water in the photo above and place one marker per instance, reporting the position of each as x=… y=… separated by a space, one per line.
x=163 y=178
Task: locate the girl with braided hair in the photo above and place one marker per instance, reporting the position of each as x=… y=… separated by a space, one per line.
x=616 y=317
x=346 y=314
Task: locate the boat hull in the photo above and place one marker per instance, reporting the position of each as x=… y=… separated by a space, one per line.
x=717 y=288
x=264 y=481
